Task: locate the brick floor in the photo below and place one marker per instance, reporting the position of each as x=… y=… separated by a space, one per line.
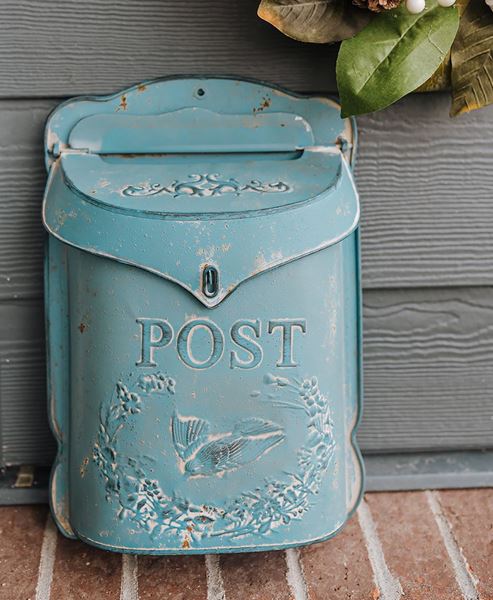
x=255 y=576
x=172 y=578
x=21 y=536
x=411 y=545
x=470 y=513
x=405 y=523
x=339 y=568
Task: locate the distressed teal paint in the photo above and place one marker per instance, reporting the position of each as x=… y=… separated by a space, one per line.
x=202 y=282
x=245 y=342
x=155 y=333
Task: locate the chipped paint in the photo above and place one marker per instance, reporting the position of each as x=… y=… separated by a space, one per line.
x=59 y=503
x=261 y=263
x=123 y=103
x=63 y=215
x=83 y=467
x=264 y=104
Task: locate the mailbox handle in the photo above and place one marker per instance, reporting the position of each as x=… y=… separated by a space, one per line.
x=210 y=281
x=191 y=130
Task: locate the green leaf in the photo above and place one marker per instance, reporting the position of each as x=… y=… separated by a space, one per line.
x=392 y=56
x=472 y=60
x=317 y=21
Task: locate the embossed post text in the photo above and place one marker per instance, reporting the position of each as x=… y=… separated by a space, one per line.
x=245 y=336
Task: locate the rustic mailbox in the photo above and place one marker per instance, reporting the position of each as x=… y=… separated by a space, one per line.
x=202 y=293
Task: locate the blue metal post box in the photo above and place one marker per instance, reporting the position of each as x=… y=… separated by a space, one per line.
x=202 y=293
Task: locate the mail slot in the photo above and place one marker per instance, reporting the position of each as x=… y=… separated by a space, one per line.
x=203 y=317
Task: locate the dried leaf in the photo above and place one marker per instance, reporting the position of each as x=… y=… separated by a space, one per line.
x=316 y=21
x=472 y=60
x=441 y=78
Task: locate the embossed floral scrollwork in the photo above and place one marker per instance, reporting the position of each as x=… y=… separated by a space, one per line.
x=205 y=185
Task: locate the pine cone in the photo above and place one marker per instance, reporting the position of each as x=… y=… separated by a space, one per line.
x=377 y=5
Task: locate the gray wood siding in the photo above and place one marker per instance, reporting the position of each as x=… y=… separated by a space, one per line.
x=22 y=181
x=67 y=47
x=24 y=432
x=428 y=369
x=425 y=184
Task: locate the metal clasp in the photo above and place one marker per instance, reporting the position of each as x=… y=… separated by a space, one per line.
x=210 y=281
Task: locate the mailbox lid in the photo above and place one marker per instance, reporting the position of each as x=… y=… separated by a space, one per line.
x=238 y=245
x=259 y=190
x=201 y=186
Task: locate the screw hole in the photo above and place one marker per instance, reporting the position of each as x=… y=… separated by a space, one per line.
x=200 y=92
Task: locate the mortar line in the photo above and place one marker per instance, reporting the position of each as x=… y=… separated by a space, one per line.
x=294 y=574
x=389 y=585
x=47 y=560
x=463 y=576
x=215 y=583
x=129 y=586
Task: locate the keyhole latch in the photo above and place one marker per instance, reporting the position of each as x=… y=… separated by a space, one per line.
x=210 y=281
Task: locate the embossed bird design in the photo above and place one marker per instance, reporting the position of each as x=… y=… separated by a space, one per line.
x=211 y=454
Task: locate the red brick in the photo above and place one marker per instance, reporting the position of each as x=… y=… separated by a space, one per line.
x=339 y=569
x=255 y=576
x=82 y=572
x=470 y=513
x=412 y=545
x=21 y=536
x=172 y=578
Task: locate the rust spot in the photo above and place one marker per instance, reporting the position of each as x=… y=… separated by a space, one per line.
x=123 y=103
x=83 y=467
x=186 y=544
x=141 y=88
x=62 y=516
x=375 y=595
x=266 y=102
x=82 y=327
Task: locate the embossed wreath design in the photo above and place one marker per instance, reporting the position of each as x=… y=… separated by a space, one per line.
x=258 y=511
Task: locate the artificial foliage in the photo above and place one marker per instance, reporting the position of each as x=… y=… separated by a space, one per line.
x=377 y=5
x=393 y=47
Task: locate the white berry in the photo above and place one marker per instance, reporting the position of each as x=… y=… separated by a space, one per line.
x=415 y=6
x=446 y=3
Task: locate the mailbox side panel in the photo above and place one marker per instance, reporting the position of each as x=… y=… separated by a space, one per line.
x=58 y=375
x=353 y=366
x=197 y=430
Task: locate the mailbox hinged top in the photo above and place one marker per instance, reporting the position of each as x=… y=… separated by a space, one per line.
x=196 y=115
